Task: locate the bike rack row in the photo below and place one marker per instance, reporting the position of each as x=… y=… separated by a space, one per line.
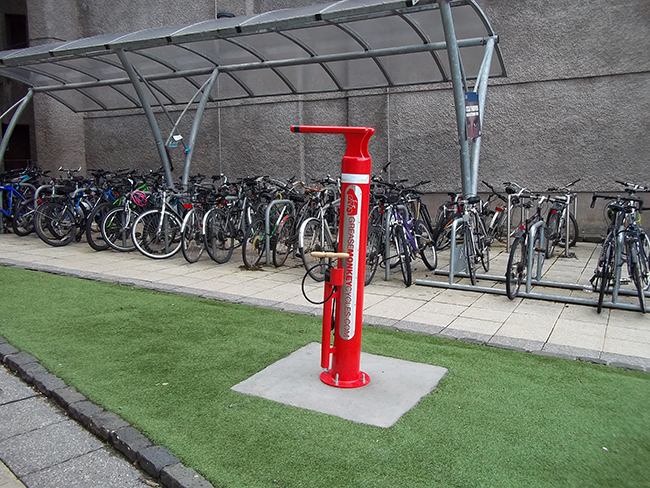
x=458 y=268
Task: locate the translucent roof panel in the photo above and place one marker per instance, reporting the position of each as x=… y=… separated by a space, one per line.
x=344 y=45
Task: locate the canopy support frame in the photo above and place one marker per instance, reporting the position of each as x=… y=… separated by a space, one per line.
x=151 y=118
x=19 y=106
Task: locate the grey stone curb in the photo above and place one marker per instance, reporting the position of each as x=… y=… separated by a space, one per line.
x=156 y=461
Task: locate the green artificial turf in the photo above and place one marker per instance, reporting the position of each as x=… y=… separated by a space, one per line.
x=166 y=364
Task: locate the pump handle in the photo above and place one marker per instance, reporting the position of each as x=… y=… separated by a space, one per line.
x=329 y=255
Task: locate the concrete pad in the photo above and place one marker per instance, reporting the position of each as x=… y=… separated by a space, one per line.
x=396 y=386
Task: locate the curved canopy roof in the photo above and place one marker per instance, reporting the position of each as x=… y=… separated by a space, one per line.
x=346 y=45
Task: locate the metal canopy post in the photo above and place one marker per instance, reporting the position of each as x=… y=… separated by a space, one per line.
x=137 y=85
x=207 y=89
x=21 y=104
x=459 y=95
x=481 y=89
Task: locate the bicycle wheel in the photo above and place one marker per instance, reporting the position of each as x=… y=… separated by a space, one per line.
x=55 y=223
x=516 y=269
x=552 y=229
x=218 y=234
x=483 y=244
x=22 y=221
x=94 y=226
x=639 y=275
x=192 y=244
x=485 y=257
x=117 y=229
x=403 y=253
x=373 y=254
x=157 y=234
x=573 y=232
x=312 y=238
x=426 y=245
x=254 y=244
x=606 y=266
x=470 y=253
x=539 y=254
x=442 y=233
x=283 y=241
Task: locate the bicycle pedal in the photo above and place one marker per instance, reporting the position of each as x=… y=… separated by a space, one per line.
x=539 y=249
x=624 y=281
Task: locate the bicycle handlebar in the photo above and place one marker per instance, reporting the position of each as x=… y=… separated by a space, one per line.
x=606 y=196
x=632 y=186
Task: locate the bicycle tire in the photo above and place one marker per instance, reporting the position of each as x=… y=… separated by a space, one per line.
x=573 y=232
x=22 y=218
x=192 y=242
x=373 y=254
x=539 y=255
x=311 y=238
x=515 y=271
x=157 y=235
x=483 y=241
x=426 y=245
x=605 y=273
x=442 y=233
x=254 y=244
x=639 y=276
x=552 y=229
x=219 y=236
x=485 y=259
x=468 y=243
x=94 y=227
x=55 y=223
x=403 y=254
x=283 y=243
x=117 y=229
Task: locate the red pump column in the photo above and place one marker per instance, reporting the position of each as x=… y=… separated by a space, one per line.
x=353 y=228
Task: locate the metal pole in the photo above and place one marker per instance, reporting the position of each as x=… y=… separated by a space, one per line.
x=207 y=89
x=160 y=145
x=459 y=96
x=12 y=125
x=481 y=88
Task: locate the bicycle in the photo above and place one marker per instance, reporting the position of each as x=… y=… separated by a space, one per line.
x=476 y=243
x=254 y=244
x=527 y=251
x=625 y=242
x=17 y=189
x=59 y=220
x=560 y=222
x=318 y=233
x=117 y=223
x=156 y=233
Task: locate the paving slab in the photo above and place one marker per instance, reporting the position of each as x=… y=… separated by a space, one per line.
x=45 y=447
x=97 y=469
x=396 y=386
x=26 y=415
x=12 y=389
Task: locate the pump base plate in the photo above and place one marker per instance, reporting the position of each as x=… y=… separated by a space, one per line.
x=327 y=378
x=397 y=386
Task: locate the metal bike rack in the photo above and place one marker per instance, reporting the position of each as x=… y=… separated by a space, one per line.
x=537 y=227
x=567 y=223
x=457 y=268
x=267 y=224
